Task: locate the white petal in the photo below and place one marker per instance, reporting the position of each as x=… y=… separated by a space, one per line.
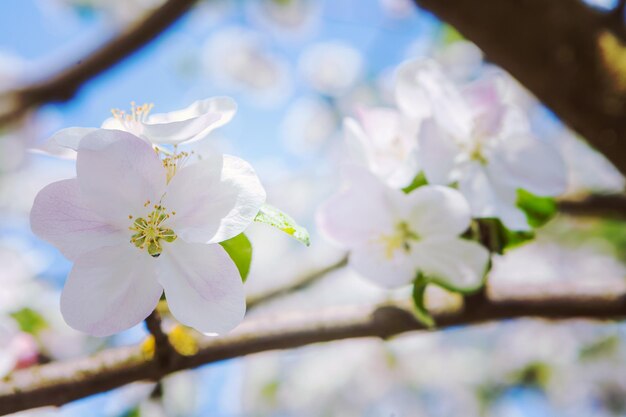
x=372 y=261
x=202 y=286
x=452 y=262
x=437 y=153
x=191 y=123
x=214 y=199
x=488 y=198
x=60 y=217
x=70 y=137
x=359 y=212
x=438 y=211
x=110 y=289
x=112 y=123
x=117 y=174
x=461 y=60
x=422 y=80
x=526 y=162
x=411 y=99
x=487 y=106
x=357 y=141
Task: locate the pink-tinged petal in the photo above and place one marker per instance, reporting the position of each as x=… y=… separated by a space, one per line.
x=373 y=261
x=526 y=162
x=117 y=174
x=191 y=123
x=489 y=198
x=202 y=286
x=359 y=212
x=438 y=211
x=385 y=143
x=61 y=217
x=110 y=290
x=452 y=262
x=487 y=106
x=437 y=153
x=214 y=199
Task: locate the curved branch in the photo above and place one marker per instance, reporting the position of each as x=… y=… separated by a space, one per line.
x=64 y=85
x=607 y=206
x=553 y=48
x=62 y=382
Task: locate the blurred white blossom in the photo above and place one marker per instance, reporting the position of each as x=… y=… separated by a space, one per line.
x=239 y=59
x=331 y=68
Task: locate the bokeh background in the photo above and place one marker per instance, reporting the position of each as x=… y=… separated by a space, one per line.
x=296 y=68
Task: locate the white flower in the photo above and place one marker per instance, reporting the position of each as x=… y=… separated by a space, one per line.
x=136 y=226
x=308 y=124
x=331 y=68
x=190 y=124
x=239 y=59
x=473 y=138
x=392 y=235
x=385 y=142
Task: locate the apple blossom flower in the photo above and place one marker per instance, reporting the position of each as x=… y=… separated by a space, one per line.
x=240 y=59
x=308 y=124
x=190 y=124
x=472 y=138
x=136 y=225
x=384 y=141
x=331 y=68
x=392 y=236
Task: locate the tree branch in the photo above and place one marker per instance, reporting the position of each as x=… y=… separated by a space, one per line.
x=64 y=85
x=606 y=206
x=62 y=382
x=552 y=47
x=164 y=352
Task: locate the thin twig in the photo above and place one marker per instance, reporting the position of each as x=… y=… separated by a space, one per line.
x=296 y=285
x=64 y=85
x=605 y=206
x=62 y=382
x=164 y=352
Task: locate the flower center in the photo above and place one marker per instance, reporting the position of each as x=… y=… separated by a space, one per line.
x=400 y=239
x=174 y=161
x=150 y=231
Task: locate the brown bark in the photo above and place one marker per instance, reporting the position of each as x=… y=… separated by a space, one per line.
x=551 y=47
x=62 y=382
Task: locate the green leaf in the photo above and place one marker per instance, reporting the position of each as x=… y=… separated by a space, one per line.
x=539 y=210
x=240 y=251
x=29 y=320
x=534 y=374
x=133 y=412
x=501 y=238
x=450 y=35
x=599 y=349
x=418 y=181
x=274 y=217
x=421 y=312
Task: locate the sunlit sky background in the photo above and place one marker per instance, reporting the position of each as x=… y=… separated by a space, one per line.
x=171 y=73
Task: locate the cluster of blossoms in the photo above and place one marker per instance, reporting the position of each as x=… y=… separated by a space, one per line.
x=142 y=218
x=421 y=171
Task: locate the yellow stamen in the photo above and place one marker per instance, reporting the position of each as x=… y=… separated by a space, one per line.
x=150 y=231
x=401 y=239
